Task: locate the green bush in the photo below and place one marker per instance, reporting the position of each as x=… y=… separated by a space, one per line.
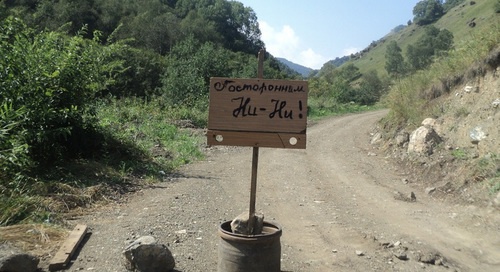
x=48 y=83
x=13 y=148
x=141 y=75
x=189 y=68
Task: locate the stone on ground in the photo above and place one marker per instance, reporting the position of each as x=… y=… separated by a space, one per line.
x=145 y=255
x=14 y=260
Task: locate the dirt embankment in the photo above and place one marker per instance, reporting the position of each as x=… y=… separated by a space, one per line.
x=464 y=166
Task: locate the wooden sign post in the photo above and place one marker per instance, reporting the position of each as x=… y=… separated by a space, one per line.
x=259 y=113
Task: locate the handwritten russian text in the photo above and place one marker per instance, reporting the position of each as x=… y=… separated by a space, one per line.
x=232 y=86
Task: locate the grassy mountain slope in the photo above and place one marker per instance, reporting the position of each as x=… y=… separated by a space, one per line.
x=456 y=21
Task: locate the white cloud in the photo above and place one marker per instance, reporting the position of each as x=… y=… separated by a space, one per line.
x=311 y=59
x=286 y=44
x=279 y=43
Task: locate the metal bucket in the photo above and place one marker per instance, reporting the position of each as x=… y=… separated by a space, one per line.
x=250 y=253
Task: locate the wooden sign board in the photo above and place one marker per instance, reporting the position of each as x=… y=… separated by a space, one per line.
x=258 y=113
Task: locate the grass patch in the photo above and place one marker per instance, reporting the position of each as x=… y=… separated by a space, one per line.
x=461 y=112
x=459 y=154
x=488 y=168
x=152 y=128
x=494 y=184
x=139 y=142
x=323 y=107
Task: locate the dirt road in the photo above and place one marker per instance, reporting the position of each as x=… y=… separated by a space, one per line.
x=341 y=203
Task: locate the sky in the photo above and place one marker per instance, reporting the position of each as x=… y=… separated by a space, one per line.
x=312 y=32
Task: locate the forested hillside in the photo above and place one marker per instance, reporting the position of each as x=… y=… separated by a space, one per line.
x=98 y=93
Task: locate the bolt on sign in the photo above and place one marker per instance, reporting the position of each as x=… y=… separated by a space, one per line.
x=258 y=113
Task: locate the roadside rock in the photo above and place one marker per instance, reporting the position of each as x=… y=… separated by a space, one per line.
x=145 y=255
x=15 y=260
x=431 y=258
x=496 y=103
x=423 y=140
x=401 y=255
x=430 y=123
x=477 y=134
x=402 y=138
x=376 y=138
x=411 y=197
x=430 y=190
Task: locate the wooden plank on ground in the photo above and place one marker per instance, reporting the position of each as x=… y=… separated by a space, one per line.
x=68 y=248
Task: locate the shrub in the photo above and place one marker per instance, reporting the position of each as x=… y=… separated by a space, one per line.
x=48 y=83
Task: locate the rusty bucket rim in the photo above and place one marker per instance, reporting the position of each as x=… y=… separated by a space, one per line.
x=271 y=230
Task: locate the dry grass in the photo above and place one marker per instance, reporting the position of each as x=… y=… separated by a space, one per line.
x=38 y=239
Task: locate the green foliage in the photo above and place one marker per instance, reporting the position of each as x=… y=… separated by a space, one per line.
x=50 y=81
x=102 y=108
x=459 y=154
x=54 y=14
x=149 y=126
x=434 y=42
x=449 y=4
x=461 y=112
x=370 y=89
x=394 y=61
x=21 y=208
x=407 y=100
x=152 y=24
x=140 y=75
x=427 y=11
x=489 y=168
x=191 y=64
x=188 y=70
x=346 y=85
x=319 y=107
x=13 y=148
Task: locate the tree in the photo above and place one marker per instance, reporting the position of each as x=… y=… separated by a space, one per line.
x=433 y=42
x=188 y=70
x=54 y=14
x=394 y=61
x=427 y=11
x=348 y=72
x=244 y=21
x=327 y=71
x=341 y=81
x=370 y=89
x=418 y=57
x=342 y=91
